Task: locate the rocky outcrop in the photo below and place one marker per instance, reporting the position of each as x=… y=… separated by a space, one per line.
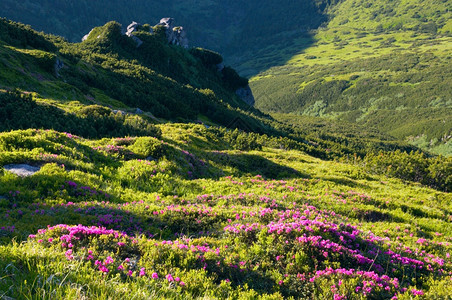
x=175 y=35
x=246 y=95
x=130 y=30
x=137 y=40
x=220 y=67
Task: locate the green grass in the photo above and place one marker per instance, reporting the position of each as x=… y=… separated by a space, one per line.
x=225 y=185
x=401 y=47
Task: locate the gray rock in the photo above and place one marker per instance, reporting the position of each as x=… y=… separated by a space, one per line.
x=150 y=158
x=180 y=37
x=138 y=111
x=167 y=22
x=22 y=170
x=246 y=95
x=85 y=37
x=58 y=66
x=130 y=30
x=137 y=40
x=174 y=35
x=119 y=111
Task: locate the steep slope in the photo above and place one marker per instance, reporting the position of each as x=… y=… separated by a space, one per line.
x=378 y=64
x=252 y=35
x=163 y=80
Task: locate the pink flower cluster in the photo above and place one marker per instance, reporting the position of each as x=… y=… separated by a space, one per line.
x=368 y=283
x=72 y=234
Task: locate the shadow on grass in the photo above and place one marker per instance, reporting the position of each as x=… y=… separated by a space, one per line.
x=19 y=111
x=245 y=163
x=345 y=181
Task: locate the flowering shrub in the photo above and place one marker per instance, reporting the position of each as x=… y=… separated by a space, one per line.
x=285 y=252
x=152 y=229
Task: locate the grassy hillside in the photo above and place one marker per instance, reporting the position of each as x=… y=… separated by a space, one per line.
x=108 y=87
x=376 y=64
x=128 y=202
x=108 y=69
x=204 y=220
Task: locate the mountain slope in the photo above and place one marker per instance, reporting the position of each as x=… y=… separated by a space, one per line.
x=106 y=86
x=109 y=69
x=376 y=64
x=242 y=31
x=100 y=199
x=201 y=219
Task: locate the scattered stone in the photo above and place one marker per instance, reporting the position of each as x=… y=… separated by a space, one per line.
x=138 y=111
x=22 y=170
x=246 y=95
x=150 y=158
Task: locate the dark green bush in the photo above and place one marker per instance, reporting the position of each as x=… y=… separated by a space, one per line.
x=95 y=111
x=19 y=111
x=435 y=172
x=207 y=57
x=233 y=80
